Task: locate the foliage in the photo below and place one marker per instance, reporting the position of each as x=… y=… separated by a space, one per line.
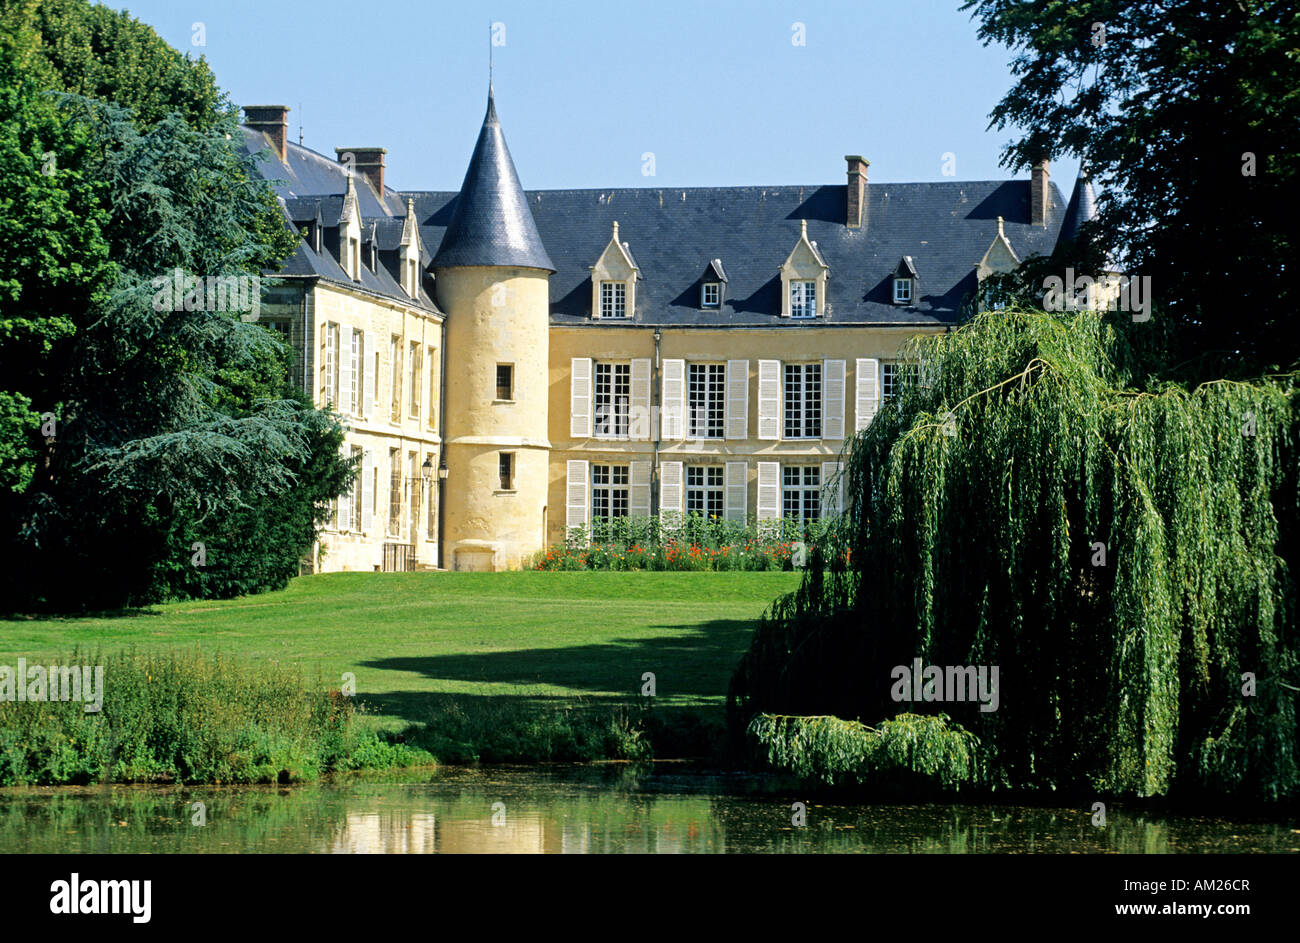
x=1121 y=665
x=93 y=50
x=695 y=543
x=1167 y=102
x=187 y=717
x=173 y=427
x=53 y=260
x=837 y=752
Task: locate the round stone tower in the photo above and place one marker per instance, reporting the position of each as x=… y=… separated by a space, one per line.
x=492 y=277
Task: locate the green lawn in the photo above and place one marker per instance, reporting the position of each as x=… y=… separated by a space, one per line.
x=411 y=635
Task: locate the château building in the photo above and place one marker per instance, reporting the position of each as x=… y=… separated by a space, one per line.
x=511 y=364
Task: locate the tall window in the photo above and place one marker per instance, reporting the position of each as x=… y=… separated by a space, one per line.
x=506 y=467
x=394 y=492
x=801 y=491
x=712 y=292
x=902 y=291
x=412 y=496
x=609 y=491
x=356 y=491
x=358 y=374
x=803 y=400
x=613 y=392
x=505 y=381
x=613 y=300
x=704 y=490
x=706 y=385
x=417 y=365
x=395 y=353
x=803 y=299
x=332 y=363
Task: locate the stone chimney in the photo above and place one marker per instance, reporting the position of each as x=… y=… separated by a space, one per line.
x=1039 y=190
x=856 y=217
x=273 y=121
x=368 y=162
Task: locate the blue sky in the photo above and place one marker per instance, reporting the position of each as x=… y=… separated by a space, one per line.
x=717 y=91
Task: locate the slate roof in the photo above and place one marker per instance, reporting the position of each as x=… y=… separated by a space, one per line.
x=491 y=224
x=945 y=227
x=307 y=173
x=309 y=183
x=676 y=234
x=1082 y=208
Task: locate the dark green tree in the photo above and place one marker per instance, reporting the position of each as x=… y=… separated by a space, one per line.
x=173 y=426
x=1187 y=112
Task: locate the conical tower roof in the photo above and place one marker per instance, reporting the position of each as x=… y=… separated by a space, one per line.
x=491 y=224
x=1082 y=208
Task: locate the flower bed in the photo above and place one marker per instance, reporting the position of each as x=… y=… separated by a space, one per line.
x=693 y=543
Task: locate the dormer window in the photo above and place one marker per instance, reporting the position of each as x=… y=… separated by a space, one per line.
x=613 y=281
x=803 y=299
x=613 y=300
x=803 y=279
x=713 y=286
x=905 y=282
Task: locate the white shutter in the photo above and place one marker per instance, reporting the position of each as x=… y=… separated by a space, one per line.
x=367 y=491
x=580 y=398
x=671 y=492
x=769 y=491
x=832 y=399
x=345 y=501
x=737 y=399
x=639 y=418
x=345 y=371
x=769 y=399
x=832 y=488
x=638 y=498
x=364 y=381
x=576 y=507
x=734 y=485
x=867 y=400
x=324 y=363
x=672 y=403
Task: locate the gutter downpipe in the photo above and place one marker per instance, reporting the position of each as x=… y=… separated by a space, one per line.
x=654 y=419
x=442 y=440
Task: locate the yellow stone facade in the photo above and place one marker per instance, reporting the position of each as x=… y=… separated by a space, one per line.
x=357 y=345
x=858 y=351
x=497 y=318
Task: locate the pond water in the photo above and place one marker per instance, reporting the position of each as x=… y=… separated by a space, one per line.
x=664 y=808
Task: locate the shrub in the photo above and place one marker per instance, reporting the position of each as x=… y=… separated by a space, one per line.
x=190 y=718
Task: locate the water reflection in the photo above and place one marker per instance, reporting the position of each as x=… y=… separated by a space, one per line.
x=579 y=810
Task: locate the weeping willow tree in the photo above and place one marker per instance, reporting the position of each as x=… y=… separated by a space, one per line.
x=1118 y=546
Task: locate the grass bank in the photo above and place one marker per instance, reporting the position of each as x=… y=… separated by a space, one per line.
x=462 y=667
